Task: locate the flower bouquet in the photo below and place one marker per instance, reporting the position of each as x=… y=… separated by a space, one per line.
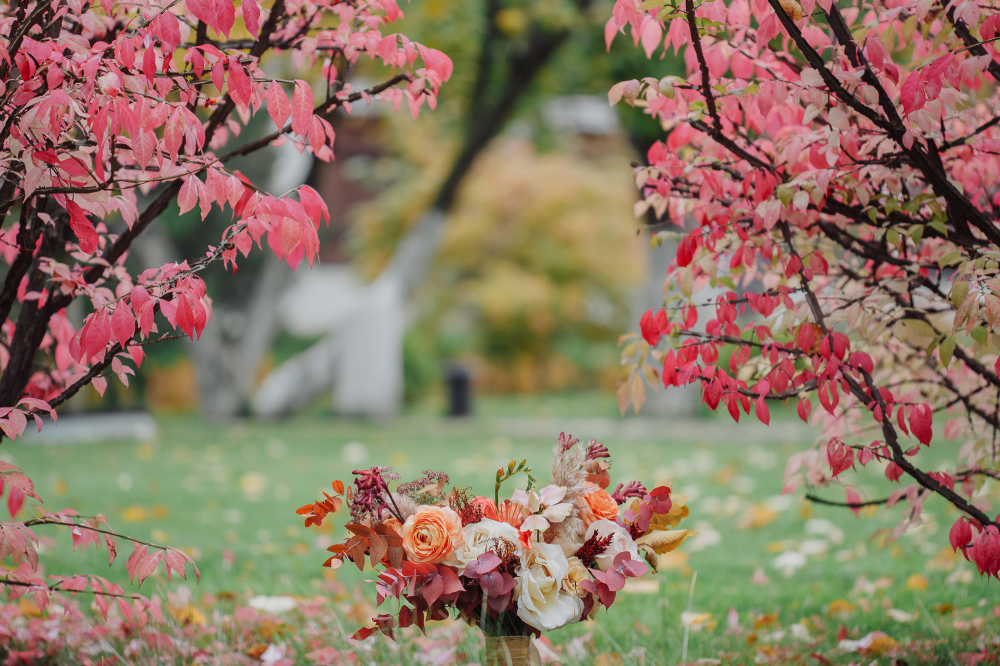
x=514 y=568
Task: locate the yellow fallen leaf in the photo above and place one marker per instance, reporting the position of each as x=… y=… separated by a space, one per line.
x=188 y=614
x=944 y=560
x=880 y=645
x=840 y=606
x=608 y=659
x=134 y=514
x=917 y=582
x=697 y=621
x=757 y=515
x=664 y=541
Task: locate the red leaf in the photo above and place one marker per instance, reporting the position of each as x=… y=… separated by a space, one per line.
x=85 y=233
x=362 y=633
x=225 y=16
x=15 y=500
x=960 y=534
x=762 y=411
x=432 y=588
x=251 y=17
x=314 y=205
x=806 y=337
x=649 y=328
x=123 y=324
x=277 y=105
x=920 y=423
x=805 y=409
x=203 y=10
x=239 y=83
x=302 y=108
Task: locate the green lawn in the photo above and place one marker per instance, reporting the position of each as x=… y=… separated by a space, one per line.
x=213 y=487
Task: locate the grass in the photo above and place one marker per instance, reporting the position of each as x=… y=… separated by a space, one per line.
x=232 y=488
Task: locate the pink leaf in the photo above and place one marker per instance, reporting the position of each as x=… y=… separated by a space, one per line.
x=123 y=324
x=277 y=105
x=302 y=108
x=21 y=482
x=251 y=17
x=147 y=566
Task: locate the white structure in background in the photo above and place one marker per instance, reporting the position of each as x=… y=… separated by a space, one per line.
x=360 y=354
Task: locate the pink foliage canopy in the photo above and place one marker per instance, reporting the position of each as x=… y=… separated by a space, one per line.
x=106 y=101
x=830 y=172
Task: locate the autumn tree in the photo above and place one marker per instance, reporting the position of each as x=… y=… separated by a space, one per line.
x=833 y=167
x=103 y=102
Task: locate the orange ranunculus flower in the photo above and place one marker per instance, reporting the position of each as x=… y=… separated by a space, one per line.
x=432 y=534
x=597 y=505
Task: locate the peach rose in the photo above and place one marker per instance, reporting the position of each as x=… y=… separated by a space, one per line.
x=597 y=505
x=432 y=534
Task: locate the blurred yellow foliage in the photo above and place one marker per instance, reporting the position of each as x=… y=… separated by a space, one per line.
x=539 y=249
x=917 y=582
x=173 y=388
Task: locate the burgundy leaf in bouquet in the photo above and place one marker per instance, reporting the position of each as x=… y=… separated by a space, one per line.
x=498 y=585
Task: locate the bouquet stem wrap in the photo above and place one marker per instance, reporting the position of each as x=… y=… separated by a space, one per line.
x=511 y=651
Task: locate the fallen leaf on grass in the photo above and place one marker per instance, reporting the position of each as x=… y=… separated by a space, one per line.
x=917 y=582
x=756 y=516
x=698 y=621
x=840 y=606
x=900 y=615
x=876 y=643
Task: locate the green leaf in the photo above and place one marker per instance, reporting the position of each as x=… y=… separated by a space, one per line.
x=932 y=346
x=947 y=350
x=919 y=327
x=958 y=292
x=917 y=232
x=893 y=237
x=951 y=258
x=979 y=334
x=785 y=193
x=940 y=226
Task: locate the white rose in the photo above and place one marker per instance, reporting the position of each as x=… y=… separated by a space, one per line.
x=541 y=602
x=480 y=537
x=621 y=542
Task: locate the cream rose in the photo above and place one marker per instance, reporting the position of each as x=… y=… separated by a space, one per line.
x=576 y=572
x=621 y=542
x=541 y=602
x=432 y=534
x=480 y=537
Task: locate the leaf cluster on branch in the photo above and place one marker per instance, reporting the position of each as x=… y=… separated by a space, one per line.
x=831 y=170
x=110 y=113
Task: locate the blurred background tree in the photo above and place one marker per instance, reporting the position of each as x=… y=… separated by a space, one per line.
x=539 y=254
